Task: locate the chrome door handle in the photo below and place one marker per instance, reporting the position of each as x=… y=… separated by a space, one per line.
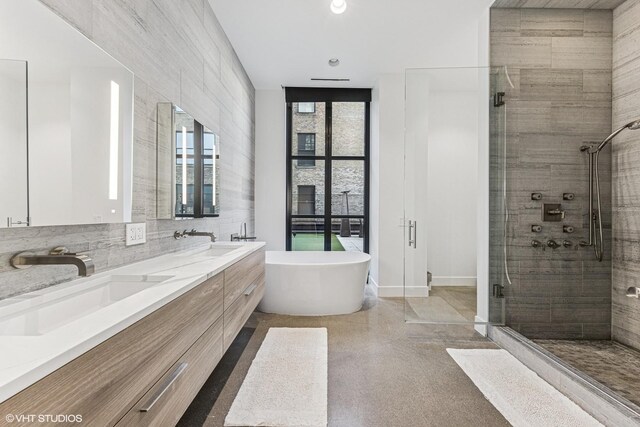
x=413 y=230
x=250 y=289
x=164 y=387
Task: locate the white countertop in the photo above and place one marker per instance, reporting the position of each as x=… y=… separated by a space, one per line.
x=27 y=359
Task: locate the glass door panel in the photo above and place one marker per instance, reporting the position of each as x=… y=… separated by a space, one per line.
x=448 y=134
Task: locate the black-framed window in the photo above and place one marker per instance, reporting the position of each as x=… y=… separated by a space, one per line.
x=328 y=197
x=306 y=147
x=306 y=107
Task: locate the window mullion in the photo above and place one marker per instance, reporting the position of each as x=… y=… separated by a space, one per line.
x=327 y=174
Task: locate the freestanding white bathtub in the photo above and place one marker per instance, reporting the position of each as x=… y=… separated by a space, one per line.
x=314 y=283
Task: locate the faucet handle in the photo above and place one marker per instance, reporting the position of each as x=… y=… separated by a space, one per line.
x=60 y=250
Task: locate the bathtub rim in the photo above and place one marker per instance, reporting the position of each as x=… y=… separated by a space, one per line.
x=364 y=257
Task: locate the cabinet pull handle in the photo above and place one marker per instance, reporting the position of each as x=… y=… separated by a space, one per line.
x=250 y=289
x=164 y=387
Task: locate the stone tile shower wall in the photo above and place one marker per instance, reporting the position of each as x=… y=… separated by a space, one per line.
x=178 y=52
x=626 y=173
x=560 y=63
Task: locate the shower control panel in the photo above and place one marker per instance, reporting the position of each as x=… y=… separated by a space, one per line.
x=552 y=243
x=552 y=212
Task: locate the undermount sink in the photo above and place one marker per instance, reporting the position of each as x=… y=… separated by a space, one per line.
x=50 y=311
x=213 y=251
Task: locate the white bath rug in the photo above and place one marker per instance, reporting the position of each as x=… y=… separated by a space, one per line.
x=520 y=395
x=286 y=385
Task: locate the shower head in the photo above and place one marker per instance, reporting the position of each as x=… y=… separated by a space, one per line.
x=635 y=125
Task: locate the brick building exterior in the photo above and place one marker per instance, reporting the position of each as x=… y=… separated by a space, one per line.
x=308 y=138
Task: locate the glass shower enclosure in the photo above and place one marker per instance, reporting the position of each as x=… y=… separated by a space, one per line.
x=455 y=144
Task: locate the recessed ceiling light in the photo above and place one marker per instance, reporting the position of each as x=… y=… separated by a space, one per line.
x=338 y=6
x=334 y=62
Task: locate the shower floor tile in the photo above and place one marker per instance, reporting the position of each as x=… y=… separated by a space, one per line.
x=608 y=362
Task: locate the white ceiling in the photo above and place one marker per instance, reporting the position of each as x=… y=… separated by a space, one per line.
x=287 y=42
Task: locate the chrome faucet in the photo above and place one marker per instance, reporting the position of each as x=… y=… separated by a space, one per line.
x=556 y=212
x=194 y=232
x=235 y=237
x=57 y=256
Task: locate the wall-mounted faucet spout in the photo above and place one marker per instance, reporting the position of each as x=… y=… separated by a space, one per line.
x=57 y=256
x=202 y=233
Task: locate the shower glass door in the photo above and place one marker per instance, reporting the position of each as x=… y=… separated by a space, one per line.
x=453 y=178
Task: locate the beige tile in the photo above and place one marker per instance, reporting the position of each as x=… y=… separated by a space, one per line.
x=625 y=78
x=551 y=85
x=571 y=4
x=560 y=4
x=598 y=23
x=521 y=52
x=551 y=22
x=597 y=81
x=582 y=52
x=505 y=22
x=534 y=116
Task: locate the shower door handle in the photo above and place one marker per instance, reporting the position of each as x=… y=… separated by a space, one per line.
x=413 y=233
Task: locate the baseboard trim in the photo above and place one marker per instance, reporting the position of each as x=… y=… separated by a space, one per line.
x=454 y=281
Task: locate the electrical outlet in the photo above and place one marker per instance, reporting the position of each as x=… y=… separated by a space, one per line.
x=135 y=234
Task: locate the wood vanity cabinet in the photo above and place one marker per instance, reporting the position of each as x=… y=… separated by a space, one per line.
x=149 y=373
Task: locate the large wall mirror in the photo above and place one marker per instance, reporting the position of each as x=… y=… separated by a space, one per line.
x=66 y=123
x=188 y=173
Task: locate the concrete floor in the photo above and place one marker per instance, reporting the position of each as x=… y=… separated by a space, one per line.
x=445 y=304
x=382 y=371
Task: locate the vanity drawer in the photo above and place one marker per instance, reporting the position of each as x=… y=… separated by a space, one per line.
x=105 y=382
x=237 y=314
x=242 y=274
x=169 y=398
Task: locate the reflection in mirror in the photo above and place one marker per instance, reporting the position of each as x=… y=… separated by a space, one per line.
x=185 y=178
x=14 y=203
x=188 y=173
x=80 y=123
x=210 y=189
